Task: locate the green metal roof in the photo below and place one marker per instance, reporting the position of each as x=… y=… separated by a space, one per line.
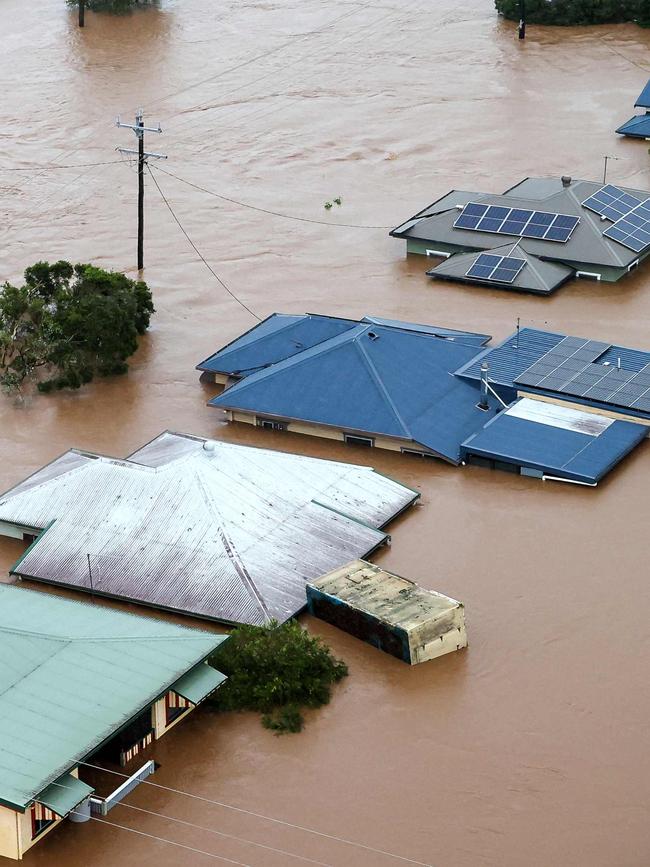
x=73 y=673
x=198 y=683
x=64 y=794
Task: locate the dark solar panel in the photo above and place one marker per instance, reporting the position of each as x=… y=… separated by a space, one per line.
x=501 y=220
x=571 y=368
x=611 y=202
x=499 y=269
x=632 y=230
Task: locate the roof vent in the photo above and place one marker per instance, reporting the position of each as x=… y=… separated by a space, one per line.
x=566 y=181
x=209 y=446
x=373 y=335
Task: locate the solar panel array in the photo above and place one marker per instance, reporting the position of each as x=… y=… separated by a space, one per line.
x=611 y=202
x=632 y=230
x=499 y=269
x=501 y=220
x=569 y=368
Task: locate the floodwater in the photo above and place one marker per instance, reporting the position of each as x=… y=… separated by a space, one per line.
x=531 y=747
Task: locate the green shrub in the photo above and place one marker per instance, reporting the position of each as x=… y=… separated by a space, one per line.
x=276 y=670
x=567 y=12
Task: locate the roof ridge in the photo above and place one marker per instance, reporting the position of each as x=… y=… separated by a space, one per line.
x=611 y=245
x=231 y=551
x=378 y=381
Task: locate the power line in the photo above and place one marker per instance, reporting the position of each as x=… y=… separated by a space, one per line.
x=198 y=252
x=223 y=834
x=171 y=842
x=292 y=41
x=49 y=168
x=267 y=210
x=268 y=818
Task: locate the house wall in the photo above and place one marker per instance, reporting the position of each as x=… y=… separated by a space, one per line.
x=159 y=716
x=15 y=531
x=16 y=830
x=9 y=833
x=318 y=430
x=443 y=635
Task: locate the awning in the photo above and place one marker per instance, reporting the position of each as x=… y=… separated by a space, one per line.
x=64 y=794
x=198 y=683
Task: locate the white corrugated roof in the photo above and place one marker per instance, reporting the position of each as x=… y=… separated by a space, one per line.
x=213 y=529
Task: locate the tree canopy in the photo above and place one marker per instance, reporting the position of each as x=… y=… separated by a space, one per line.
x=567 y=12
x=68 y=323
x=276 y=670
x=116 y=6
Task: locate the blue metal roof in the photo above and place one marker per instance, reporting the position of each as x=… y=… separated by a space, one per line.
x=517 y=353
x=375 y=379
x=643 y=100
x=510 y=358
x=636 y=127
x=567 y=454
x=284 y=335
x=279 y=336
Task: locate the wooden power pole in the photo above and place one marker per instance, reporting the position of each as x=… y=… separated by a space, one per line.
x=82 y=11
x=139 y=129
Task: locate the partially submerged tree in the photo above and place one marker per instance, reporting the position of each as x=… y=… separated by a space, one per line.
x=276 y=670
x=68 y=323
x=115 y=6
x=571 y=12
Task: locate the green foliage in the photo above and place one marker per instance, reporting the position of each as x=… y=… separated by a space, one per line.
x=68 y=323
x=116 y=6
x=567 y=12
x=276 y=670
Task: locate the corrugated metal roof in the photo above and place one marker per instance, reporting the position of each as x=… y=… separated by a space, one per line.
x=636 y=127
x=279 y=336
x=384 y=595
x=373 y=379
x=587 y=244
x=580 y=452
x=72 y=673
x=198 y=683
x=643 y=100
x=64 y=794
x=517 y=353
x=536 y=276
x=209 y=528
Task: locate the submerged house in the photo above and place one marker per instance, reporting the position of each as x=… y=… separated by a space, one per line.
x=535 y=236
x=639 y=125
x=540 y=403
x=390 y=612
x=216 y=530
x=83 y=683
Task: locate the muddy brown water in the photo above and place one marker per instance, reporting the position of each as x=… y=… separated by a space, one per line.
x=530 y=748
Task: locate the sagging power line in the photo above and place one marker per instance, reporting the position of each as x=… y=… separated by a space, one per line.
x=139 y=129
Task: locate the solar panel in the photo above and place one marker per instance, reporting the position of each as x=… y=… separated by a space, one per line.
x=501 y=220
x=500 y=269
x=611 y=202
x=571 y=368
x=632 y=230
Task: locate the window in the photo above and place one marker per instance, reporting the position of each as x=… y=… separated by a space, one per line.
x=418 y=454
x=359 y=441
x=269 y=424
x=42 y=818
x=175 y=706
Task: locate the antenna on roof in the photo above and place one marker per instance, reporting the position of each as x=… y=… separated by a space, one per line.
x=606 y=158
x=518 y=321
x=90 y=576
